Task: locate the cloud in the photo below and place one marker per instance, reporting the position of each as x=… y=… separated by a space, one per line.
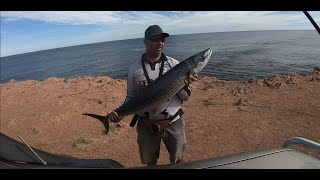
x=64 y=17
x=117 y=25
x=100 y=17
x=212 y=20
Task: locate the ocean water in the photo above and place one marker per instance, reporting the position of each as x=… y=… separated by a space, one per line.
x=236 y=56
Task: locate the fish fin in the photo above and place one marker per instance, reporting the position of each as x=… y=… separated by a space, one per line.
x=103 y=119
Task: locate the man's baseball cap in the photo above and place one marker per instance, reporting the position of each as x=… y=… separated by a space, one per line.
x=154 y=31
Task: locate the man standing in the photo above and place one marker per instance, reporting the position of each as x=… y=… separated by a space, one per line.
x=165 y=122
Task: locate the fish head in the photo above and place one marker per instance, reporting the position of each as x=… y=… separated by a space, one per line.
x=200 y=60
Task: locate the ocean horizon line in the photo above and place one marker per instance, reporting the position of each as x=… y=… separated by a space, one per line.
x=94 y=43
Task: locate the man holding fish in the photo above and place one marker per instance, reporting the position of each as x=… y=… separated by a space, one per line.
x=157 y=85
x=157 y=63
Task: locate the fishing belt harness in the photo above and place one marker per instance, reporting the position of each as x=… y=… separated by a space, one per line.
x=163 y=59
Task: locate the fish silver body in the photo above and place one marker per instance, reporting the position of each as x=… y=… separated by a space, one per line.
x=162 y=89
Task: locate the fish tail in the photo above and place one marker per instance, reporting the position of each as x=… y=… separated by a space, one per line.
x=103 y=119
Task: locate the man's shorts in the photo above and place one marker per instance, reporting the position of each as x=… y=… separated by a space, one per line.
x=149 y=142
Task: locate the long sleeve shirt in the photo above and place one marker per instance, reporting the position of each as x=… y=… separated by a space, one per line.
x=137 y=80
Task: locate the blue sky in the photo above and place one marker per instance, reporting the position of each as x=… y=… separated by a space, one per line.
x=38 y=30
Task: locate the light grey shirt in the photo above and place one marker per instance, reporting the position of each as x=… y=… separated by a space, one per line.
x=137 y=80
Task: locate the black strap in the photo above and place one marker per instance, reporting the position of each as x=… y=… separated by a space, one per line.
x=161 y=68
x=146 y=114
x=145 y=71
x=134 y=120
x=163 y=58
x=186 y=88
x=136 y=117
x=179 y=112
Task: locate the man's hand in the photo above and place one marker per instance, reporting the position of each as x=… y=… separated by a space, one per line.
x=191 y=79
x=114 y=117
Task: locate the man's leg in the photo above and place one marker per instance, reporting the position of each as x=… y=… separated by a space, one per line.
x=180 y=160
x=149 y=144
x=175 y=140
x=152 y=163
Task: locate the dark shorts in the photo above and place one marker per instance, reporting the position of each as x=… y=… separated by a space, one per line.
x=149 y=142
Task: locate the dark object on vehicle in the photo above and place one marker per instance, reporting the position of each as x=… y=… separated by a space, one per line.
x=14 y=154
x=312 y=21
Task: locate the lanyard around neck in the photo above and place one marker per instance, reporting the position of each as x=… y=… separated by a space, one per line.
x=145 y=71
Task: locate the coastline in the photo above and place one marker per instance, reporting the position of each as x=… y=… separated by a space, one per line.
x=222 y=117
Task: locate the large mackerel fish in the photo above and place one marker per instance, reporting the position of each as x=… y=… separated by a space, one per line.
x=162 y=89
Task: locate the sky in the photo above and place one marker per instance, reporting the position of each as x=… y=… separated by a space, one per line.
x=28 y=31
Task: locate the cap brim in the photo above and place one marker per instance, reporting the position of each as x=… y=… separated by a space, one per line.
x=160 y=35
x=166 y=35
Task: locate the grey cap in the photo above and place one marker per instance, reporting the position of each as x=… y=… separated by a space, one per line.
x=154 y=31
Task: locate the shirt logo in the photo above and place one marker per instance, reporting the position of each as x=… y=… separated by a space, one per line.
x=142 y=83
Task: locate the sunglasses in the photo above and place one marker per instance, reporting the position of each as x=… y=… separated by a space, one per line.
x=162 y=39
